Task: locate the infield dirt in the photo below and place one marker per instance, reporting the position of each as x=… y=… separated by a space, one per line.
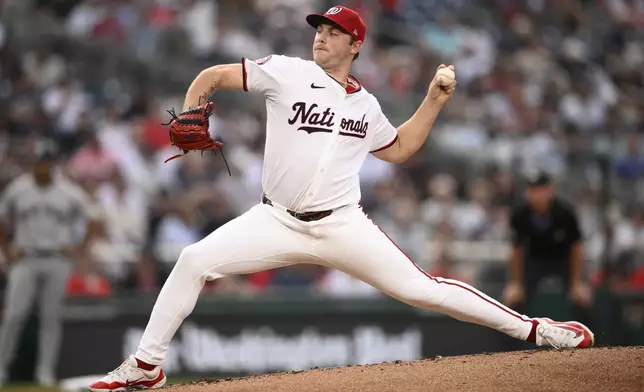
x=589 y=370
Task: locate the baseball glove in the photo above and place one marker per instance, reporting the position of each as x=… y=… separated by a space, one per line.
x=189 y=131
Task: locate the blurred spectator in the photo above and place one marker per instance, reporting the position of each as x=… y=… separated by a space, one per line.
x=80 y=286
x=200 y=23
x=336 y=283
x=84 y=17
x=153 y=134
x=631 y=165
x=625 y=12
x=445 y=267
x=65 y=104
x=442 y=203
x=473 y=214
x=628 y=235
x=583 y=105
x=627 y=252
x=91 y=162
x=303 y=276
x=405 y=227
x=125 y=214
x=495 y=226
x=117 y=138
x=42 y=67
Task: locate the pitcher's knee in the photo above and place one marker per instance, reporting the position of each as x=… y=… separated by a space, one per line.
x=197 y=263
x=190 y=259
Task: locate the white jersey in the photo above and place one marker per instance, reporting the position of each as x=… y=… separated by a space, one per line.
x=318 y=133
x=318 y=136
x=44 y=219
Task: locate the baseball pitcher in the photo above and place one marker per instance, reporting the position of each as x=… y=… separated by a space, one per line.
x=44 y=211
x=321 y=124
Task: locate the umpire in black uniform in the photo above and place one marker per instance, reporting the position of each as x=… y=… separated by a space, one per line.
x=546 y=242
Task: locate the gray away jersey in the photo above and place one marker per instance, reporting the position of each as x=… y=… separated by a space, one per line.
x=44 y=218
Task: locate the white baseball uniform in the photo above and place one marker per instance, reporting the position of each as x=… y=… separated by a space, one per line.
x=318 y=136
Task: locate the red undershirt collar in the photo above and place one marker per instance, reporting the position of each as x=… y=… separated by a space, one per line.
x=353 y=84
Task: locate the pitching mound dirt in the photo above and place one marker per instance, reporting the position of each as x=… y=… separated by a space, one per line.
x=591 y=370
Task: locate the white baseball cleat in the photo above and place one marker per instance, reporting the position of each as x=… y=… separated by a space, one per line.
x=129 y=376
x=566 y=334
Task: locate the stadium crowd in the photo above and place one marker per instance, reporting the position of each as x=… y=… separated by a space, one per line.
x=557 y=85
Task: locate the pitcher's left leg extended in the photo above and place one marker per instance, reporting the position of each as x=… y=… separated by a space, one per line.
x=375 y=259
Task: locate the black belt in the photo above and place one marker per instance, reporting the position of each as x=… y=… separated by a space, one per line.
x=303 y=216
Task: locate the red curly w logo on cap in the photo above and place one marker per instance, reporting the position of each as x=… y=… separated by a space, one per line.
x=334 y=10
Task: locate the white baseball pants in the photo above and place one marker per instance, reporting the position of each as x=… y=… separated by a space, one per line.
x=267 y=237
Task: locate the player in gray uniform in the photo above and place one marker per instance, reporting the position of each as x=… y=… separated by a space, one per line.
x=44 y=211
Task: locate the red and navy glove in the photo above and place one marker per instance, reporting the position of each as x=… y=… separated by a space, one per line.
x=189 y=130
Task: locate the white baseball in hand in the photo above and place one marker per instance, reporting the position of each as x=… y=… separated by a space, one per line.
x=446 y=77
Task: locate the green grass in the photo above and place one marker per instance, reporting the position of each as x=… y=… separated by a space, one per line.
x=33 y=387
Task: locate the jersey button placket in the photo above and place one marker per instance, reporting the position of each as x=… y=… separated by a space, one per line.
x=326 y=157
